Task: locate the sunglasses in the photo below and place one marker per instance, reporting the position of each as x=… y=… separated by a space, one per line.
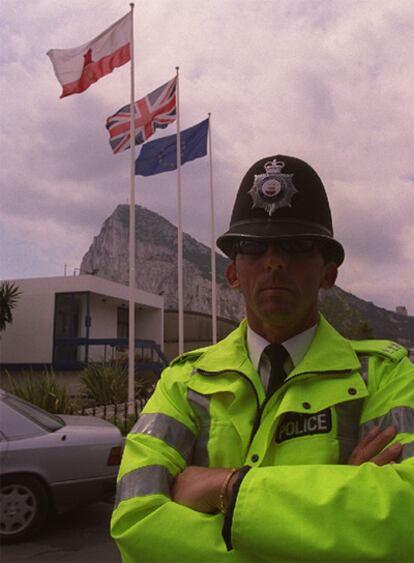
x=258 y=247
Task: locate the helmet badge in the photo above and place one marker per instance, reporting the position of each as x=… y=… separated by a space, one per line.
x=272 y=190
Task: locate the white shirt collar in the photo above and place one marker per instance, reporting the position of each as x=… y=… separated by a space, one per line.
x=297 y=346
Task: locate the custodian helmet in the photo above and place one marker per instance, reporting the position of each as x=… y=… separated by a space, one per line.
x=282 y=197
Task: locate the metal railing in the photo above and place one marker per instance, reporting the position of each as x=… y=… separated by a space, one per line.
x=74 y=353
x=118 y=414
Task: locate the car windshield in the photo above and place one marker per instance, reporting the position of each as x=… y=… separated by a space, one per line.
x=45 y=419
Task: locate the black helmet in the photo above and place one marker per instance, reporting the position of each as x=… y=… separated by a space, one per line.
x=282 y=197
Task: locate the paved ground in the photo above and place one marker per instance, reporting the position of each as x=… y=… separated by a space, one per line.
x=77 y=537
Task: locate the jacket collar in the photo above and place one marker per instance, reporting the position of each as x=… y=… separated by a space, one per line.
x=328 y=352
x=228 y=354
x=296 y=346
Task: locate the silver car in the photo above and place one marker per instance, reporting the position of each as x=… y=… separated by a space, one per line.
x=50 y=462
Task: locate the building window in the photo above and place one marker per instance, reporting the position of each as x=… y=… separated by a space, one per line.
x=123 y=323
x=70 y=309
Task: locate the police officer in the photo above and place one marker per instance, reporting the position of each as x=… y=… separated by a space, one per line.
x=284 y=441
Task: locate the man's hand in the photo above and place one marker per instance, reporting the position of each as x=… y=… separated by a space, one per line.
x=199 y=488
x=371 y=445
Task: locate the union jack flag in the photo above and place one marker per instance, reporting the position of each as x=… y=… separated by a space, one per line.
x=156 y=110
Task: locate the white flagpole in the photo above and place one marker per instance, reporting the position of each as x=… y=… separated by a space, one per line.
x=213 y=242
x=132 y=281
x=180 y=231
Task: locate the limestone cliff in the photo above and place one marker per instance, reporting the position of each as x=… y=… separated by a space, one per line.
x=156 y=262
x=156 y=272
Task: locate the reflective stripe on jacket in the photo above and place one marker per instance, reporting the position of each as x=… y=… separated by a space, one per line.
x=300 y=500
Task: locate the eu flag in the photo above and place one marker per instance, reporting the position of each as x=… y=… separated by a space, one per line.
x=161 y=155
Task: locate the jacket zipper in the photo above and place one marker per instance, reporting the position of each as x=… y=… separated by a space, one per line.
x=262 y=407
x=259 y=408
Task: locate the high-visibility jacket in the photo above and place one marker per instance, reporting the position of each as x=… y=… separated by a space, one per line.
x=300 y=500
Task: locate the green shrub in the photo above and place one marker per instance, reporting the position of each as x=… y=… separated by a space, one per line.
x=42 y=389
x=107 y=383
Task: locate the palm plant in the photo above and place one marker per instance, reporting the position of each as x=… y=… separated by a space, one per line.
x=9 y=295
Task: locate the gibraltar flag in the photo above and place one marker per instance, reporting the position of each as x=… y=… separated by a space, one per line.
x=78 y=68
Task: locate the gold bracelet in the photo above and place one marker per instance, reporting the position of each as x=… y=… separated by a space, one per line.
x=223 y=490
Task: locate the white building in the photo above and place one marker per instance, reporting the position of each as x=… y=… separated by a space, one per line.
x=66 y=321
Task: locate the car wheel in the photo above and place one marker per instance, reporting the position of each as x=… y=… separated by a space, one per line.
x=23 y=507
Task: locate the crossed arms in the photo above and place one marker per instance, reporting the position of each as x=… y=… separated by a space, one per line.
x=200 y=488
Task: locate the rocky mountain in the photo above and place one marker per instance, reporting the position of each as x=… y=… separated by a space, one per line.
x=156 y=262
x=359 y=319
x=156 y=272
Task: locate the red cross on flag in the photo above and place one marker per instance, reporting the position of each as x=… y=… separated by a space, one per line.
x=78 y=68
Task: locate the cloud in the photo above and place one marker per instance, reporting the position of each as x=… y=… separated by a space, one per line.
x=328 y=81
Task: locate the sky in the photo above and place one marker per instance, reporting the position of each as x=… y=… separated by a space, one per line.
x=328 y=81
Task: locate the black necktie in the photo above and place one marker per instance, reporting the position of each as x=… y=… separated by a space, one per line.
x=277 y=355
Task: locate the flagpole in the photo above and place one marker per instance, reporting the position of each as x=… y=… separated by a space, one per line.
x=180 y=230
x=213 y=242
x=132 y=281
